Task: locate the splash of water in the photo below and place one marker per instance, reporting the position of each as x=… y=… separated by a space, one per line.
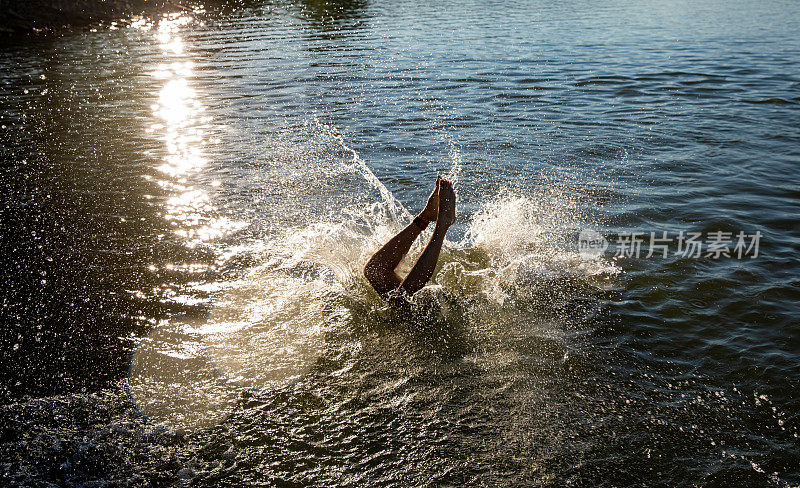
x=267 y=328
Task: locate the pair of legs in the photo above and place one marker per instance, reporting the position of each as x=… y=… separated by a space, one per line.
x=380 y=269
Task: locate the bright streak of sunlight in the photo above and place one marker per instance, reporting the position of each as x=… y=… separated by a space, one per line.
x=171 y=380
x=182 y=127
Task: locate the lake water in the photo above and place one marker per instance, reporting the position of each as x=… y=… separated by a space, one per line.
x=187 y=204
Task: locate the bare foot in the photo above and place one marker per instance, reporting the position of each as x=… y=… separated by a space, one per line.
x=447 y=204
x=431 y=210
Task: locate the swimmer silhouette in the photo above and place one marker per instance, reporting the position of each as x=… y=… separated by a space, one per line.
x=380 y=269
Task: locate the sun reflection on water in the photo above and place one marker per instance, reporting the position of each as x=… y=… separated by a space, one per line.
x=183 y=126
x=171 y=381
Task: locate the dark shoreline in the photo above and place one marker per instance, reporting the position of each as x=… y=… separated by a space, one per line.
x=31 y=16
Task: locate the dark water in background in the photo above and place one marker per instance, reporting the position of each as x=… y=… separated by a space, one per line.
x=186 y=204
